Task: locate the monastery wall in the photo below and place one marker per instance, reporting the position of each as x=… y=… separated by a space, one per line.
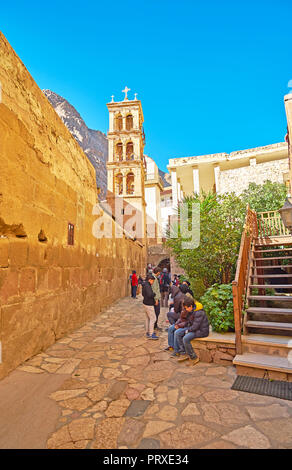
x=238 y=179
x=48 y=288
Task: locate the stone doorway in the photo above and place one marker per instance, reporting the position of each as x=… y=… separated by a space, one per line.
x=165 y=263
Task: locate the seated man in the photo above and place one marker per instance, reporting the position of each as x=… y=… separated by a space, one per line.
x=180 y=324
x=197 y=327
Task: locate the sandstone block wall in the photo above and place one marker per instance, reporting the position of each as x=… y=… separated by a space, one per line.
x=48 y=288
x=238 y=179
x=212 y=351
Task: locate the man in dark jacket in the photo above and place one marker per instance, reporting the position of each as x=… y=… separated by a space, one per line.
x=149 y=302
x=181 y=323
x=197 y=327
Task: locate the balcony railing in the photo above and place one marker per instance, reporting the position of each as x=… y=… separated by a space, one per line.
x=270 y=224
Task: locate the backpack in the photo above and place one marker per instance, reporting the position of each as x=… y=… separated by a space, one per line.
x=164 y=280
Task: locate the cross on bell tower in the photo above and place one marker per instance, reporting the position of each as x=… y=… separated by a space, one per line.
x=126 y=93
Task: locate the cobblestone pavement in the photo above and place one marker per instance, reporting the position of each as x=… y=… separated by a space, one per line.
x=123 y=391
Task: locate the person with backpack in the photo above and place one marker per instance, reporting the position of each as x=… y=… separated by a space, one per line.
x=164 y=287
x=134 y=284
x=148 y=302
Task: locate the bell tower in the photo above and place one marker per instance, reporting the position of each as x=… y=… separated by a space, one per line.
x=126 y=165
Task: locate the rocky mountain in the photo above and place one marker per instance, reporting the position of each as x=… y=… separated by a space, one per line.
x=92 y=142
x=165 y=178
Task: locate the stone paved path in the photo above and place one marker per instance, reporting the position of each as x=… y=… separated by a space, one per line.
x=120 y=390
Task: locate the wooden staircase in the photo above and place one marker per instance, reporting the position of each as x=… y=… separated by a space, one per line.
x=264 y=310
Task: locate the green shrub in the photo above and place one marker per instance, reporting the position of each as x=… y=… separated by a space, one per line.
x=218 y=305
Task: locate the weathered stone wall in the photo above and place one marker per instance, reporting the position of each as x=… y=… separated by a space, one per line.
x=214 y=351
x=238 y=179
x=48 y=289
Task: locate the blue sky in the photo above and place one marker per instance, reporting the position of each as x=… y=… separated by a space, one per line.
x=211 y=75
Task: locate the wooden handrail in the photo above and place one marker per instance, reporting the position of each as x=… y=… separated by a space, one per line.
x=250 y=232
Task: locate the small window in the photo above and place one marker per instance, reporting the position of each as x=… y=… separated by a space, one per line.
x=130 y=151
x=129 y=122
x=70 y=234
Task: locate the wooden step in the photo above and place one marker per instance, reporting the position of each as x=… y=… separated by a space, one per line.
x=268 y=276
x=271 y=325
x=263 y=361
x=271 y=310
x=271 y=286
x=272 y=251
x=268 y=340
x=283 y=298
x=275 y=266
x=269 y=258
x=274 y=240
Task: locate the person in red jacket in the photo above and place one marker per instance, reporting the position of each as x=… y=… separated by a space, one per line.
x=134 y=284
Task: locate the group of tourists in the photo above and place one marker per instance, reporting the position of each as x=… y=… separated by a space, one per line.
x=186 y=316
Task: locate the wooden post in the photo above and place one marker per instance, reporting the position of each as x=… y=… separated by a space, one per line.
x=237 y=317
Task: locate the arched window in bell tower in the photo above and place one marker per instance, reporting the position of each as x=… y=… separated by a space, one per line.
x=119 y=183
x=119 y=122
x=119 y=152
x=130 y=151
x=129 y=122
x=130 y=186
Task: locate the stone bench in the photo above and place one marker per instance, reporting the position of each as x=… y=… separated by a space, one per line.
x=217 y=347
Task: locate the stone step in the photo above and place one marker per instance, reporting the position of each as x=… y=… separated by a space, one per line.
x=264 y=365
x=267 y=344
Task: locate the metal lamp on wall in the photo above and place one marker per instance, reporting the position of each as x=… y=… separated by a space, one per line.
x=286 y=210
x=286 y=214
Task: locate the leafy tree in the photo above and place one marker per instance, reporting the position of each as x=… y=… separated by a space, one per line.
x=265 y=197
x=221 y=222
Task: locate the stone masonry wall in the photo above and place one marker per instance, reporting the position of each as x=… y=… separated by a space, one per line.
x=213 y=351
x=238 y=179
x=48 y=288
